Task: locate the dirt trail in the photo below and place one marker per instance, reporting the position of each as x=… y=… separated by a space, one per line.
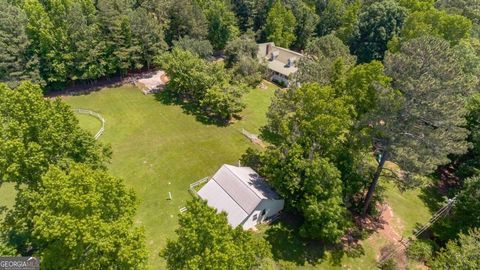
x=391 y=232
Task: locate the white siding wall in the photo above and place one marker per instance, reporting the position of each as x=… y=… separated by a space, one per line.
x=271 y=207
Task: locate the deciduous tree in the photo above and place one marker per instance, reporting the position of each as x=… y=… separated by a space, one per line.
x=280 y=25
x=17 y=60
x=37 y=133
x=452 y=28
x=78 y=218
x=462 y=253
x=222 y=25
x=186 y=19
x=306 y=127
x=320 y=56
x=202 y=48
x=207 y=241
x=378 y=23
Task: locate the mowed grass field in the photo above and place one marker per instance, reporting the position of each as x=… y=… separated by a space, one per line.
x=158 y=148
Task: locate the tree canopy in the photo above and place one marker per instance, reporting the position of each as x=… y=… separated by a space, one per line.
x=206 y=86
x=280 y=25
x=410 y=128
x=306 y=126
x=207 y=241
x=78 y=217
x=459 y=254
x=377 y=24
x=38 y=132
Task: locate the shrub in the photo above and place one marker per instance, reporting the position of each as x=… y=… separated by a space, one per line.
x=420 y=250
x=389 y=264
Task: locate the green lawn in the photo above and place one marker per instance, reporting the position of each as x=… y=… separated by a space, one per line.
x=89 y=123
x=7 y=195
x=408 y=207
x=158 y=148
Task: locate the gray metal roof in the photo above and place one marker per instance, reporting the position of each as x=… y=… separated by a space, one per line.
x=237 y=191
x=217 y=198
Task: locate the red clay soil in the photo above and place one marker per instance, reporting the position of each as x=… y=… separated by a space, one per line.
x=390 y=233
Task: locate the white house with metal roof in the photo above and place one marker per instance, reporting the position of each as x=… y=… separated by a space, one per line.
x=281 y=62
x=240 y=192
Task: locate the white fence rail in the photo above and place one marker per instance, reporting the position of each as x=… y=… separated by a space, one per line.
x=193 y=185
x=96 y=115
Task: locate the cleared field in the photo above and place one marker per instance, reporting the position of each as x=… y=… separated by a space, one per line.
x=158 y=148
x=89 y=123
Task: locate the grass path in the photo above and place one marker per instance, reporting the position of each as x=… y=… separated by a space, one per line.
x=158 y=149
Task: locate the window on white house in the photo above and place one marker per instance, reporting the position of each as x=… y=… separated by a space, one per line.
x=255 y=217
x=264 y=212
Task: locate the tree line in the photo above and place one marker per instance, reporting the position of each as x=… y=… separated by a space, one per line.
x=68 y=211
x=387 y=91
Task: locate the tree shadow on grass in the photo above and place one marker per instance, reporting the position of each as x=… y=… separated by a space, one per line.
x=432 y=197
x=288 y=245
x=190 y=108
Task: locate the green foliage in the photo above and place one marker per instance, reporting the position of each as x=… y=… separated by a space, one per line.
x=241 y=56
x=202 y=48
x=205 y=85
x=186 y=73
x=38 y=132
x=389 y=264
x=360 y=83
x=322 y=54
x=470 y=162
x=452 y=28
x=147 y=34
x=186 y=19
x=306 y=126
x=17 y=62
x=207 y=241
x=417 y=5
x=280 y=25
x=240 y=46
x=428 y=75
x=223 y=100
x=466 y=8
x=86 y=40
x=222 y=25
x=6 y=249
x=244 y=11
x=306 y=22
x=465 y=213
x=420 y=250
x=428 y=110
x=462 y=253
x=248 y=71
x=311 y=116
x=80 y=218
x=377 y=24
x=339 y=17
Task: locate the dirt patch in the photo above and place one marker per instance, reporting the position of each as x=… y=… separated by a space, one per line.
x=391 y=232
x=152 y=82
x=386 y=238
